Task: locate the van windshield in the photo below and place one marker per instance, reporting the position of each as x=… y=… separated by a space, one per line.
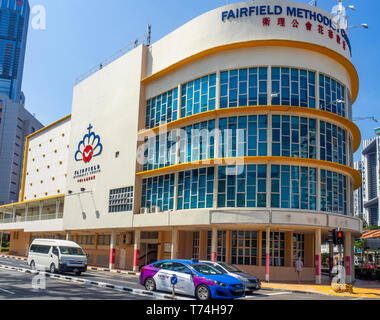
x=71 y=251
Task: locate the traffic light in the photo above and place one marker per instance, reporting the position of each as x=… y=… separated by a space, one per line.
x=332 y=237
x=339 y=238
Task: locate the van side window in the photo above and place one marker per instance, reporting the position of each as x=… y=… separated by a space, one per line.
x=41 y=249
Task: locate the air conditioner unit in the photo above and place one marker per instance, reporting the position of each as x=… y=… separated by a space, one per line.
x=155 y=209
x=144 y=210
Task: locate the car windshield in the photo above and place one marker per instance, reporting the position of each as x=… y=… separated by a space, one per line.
x=230 y=268
x=71 y=251
x=217 y=267
x=206 y=269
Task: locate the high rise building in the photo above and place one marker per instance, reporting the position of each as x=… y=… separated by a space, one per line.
x=371 y=175
x=358 y=193
x=16 y=123
x=14 y=19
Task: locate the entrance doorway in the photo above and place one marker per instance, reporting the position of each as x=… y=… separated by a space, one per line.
x=148 y=253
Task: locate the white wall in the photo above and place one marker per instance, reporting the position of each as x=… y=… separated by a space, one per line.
x=109 y=100
x=250 y=57
x=209 y=31
x=48 y=152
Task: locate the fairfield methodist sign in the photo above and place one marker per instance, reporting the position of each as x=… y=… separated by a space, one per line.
x=292 y=17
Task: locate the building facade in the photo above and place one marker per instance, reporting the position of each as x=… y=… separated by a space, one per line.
x=16 y=124
x=358 y=193
x=371 y=176
x=233 y=143
x=14 y=19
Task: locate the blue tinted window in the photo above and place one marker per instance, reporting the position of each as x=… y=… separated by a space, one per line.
x=198 y=95
x=244 y=87
x=162 y=109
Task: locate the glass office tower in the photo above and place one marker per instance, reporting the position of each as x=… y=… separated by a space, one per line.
x=14 y=18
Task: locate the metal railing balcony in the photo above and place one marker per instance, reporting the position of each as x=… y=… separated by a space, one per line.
x=44 y=217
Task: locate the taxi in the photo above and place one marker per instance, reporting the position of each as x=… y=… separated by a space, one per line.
x=192 y=278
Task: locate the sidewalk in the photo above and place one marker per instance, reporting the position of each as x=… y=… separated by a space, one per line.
x=362 y=289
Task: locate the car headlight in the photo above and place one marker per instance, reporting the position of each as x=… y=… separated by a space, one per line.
x=221 y=284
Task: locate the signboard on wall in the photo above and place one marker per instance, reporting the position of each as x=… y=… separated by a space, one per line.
x=88 y=148
x=293 y=19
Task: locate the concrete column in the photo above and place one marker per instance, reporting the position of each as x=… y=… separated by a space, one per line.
x=26 y=211
x=267 y=254
x=228 y=246
x=112 y=250
x=203 y=245
x=214 y=244
x=57 y=205
x=317 y=255
x=40 y=210
x=348 y=261
x=14 y=214
x=1 y=240
x=136 y=252
x=67 y=236
x=174 y=244
x=176 y=177
x=217 y=94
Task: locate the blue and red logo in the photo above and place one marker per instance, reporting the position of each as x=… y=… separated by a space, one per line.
x=89 y=147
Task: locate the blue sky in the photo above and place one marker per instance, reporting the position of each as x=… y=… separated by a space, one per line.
x=81 y=34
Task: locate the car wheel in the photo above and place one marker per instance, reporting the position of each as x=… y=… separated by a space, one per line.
x=203 y=293
x=52 y=268
x=78 y=273
x=32 y=265
x=150 y=284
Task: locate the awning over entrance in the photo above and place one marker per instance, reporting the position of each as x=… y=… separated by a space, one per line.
x=371 y=234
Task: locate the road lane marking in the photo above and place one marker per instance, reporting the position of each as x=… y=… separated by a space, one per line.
x=6 y=291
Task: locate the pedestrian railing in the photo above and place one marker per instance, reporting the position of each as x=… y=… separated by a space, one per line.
x=52 y=216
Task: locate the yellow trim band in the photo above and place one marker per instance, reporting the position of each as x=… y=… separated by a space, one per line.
x=267 y=43
x=356 y=176
x=355 y=132
x=31 y=201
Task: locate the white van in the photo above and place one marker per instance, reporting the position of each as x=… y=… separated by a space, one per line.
x=57 y=256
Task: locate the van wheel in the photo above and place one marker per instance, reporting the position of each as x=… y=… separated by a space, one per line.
x=32 y=265
x=52 y=268
x=78 y=273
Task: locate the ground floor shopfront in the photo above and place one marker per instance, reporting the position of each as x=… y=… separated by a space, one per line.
x=269 y=252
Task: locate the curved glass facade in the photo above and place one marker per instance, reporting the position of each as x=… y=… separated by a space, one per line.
x=262 y=134
x=196 y=189
x=293 y=87
x=197 y=142
x=293 y=187
x=244 y=87
x=243 y=136
x=294 y=137
x=162 y=109
x=291 y=136
x=198 y=95
x=249 y=186
x=256 y=86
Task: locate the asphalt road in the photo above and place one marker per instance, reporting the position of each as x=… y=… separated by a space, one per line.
x=17 y=285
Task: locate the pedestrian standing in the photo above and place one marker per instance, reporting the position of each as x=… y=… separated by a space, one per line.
x=299 y=268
